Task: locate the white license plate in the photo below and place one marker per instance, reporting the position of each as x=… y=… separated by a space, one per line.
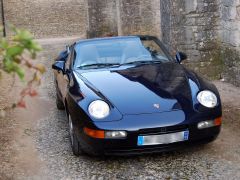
x=163 y=138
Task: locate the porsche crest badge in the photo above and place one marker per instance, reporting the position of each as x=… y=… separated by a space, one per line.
x=156 y=106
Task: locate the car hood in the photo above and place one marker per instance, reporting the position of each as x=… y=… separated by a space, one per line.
x=144 y=88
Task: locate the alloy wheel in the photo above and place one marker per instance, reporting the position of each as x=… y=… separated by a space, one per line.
x=70 y=128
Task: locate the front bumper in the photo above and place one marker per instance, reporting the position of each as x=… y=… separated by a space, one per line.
x=128 y=145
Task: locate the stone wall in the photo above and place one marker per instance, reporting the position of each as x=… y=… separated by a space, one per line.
x=48 y=18
x=230 y=22
x=123 y=17
x=139 y=17
x=207 y=30
x=190 y=25
x=102 y=18
x=229 y=33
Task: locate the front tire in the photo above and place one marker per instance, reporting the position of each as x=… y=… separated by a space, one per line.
x=59 y=103
x=77 y=151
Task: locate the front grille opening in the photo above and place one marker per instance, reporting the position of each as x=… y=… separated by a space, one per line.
x=163 y=130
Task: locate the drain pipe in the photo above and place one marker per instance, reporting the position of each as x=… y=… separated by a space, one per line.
x=3 y=19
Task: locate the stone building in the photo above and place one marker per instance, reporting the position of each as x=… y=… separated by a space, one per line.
x=207 y=30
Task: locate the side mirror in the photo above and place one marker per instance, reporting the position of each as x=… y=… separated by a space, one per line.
x=59 y=66
x=180 y=56
x=62 y=56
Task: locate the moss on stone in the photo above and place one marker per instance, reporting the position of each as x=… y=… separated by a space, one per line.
x=220 y=62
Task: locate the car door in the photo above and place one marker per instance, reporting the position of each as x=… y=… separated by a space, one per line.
x=63 y=78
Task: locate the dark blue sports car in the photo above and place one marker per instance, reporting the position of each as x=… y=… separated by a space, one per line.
x=127 y=95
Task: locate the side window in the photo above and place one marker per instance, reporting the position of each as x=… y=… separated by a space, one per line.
x=151 y=45
x=155 y=49
x=74 y=54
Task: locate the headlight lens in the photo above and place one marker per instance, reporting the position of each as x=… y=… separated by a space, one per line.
x=98 y=109
x=207 y=98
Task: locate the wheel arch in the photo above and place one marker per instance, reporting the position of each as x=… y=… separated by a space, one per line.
x=66 y=106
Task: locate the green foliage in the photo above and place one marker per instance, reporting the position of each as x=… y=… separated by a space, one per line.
x=13 y=50
x=16 y=55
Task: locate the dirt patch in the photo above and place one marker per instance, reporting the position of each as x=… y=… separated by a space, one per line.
x=230 y=94
x=19 y=154
x=227 y=145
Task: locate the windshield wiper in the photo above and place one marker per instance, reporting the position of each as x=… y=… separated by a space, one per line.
x=99 y=65
x=141 y=62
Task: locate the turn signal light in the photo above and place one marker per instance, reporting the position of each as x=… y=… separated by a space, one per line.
x=94 y=133
x=104 y=134
x=218 y=121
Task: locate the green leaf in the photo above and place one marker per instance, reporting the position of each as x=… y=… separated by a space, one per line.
x=11 y=50
x=23 y=35
x=14 y=51
x=8 y=65
x=20 y=72
x=35 y=46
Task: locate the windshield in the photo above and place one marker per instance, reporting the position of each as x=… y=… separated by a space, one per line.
x=117 y=51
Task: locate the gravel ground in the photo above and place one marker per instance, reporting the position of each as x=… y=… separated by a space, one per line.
x=50 y=140
x=196 y=163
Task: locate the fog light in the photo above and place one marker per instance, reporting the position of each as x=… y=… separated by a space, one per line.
x=115 y=134
x=211 y=123
x=205 y=124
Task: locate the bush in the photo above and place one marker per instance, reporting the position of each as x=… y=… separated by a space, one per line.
x=16 y=55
